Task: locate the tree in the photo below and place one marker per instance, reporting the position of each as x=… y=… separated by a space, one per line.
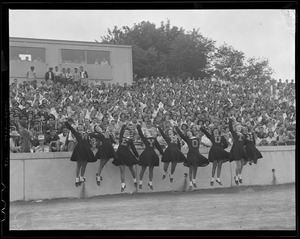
x=258 y=69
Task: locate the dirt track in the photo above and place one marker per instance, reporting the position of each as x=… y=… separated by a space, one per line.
x=236 y=208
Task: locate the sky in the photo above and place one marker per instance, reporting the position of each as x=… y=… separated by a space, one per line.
x=258 y=33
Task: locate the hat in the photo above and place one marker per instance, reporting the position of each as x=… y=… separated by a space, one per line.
x=41 y=137
x=42 y=106
x=17 y=115
x=75 y=67
x=14 y=133
x=29 y=113
x=51 y=116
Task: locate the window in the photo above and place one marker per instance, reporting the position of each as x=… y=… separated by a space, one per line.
x=73 y=56
x=32 y=54
x=98 y=57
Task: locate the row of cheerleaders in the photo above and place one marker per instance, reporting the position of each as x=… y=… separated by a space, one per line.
x=99 y=145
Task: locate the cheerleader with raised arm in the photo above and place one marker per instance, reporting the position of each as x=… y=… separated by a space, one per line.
x=82 y=152
x=217 y=154
x=148 y=157
x=194 y=158
x=105 y=149
x=252 y=152
x=125 y=157
x=172 y=154
x=237 y=152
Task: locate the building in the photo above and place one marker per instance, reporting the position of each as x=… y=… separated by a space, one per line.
x=103 y=62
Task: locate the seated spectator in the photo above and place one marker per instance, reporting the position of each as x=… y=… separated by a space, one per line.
x=14 y=148
x=271 y=139
x=62 y=139
x=291 y=138
x=53 y=140
x=263 y=140
x=281 y=138
x=42 y=147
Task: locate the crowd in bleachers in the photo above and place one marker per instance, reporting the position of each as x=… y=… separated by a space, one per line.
x=38 y=110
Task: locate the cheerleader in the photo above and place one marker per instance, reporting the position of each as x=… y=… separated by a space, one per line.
x=125 y=157
x=172 y=153
x=105 y=149
x=82 y=152
x=217 y=155
x=194 y=158
x=148 y=156
x=237 y=152
x=252 y=152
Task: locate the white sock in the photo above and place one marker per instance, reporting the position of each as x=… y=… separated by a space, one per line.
x=239 y=176
x=171 y=175
x=191 y=184
x=123 y=185
x=150 y=183
x=218 y=179
x=98 y=178
x=194 y=181
x=81 y=178
x=77 y=180
x=141 y=182
x=134 y=180
x=212 y=179
x=166 y=173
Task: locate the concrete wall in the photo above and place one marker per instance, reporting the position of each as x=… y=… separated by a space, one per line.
x=52 y=175
x=119 y=70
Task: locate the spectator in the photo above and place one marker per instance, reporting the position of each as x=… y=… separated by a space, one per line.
x=53 y=140
x=31 y=77
x=26 y=137
x=62 y=138
x=281 y=138
x=42 y=147
x=14 y=148
x=50 y=76
x=271 y=139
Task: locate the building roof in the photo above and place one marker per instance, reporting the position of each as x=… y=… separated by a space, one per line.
x=67 y=42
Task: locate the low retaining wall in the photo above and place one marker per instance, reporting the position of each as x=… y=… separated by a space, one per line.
x=35 y=176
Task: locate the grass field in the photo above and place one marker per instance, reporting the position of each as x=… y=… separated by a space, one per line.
x=235 y=208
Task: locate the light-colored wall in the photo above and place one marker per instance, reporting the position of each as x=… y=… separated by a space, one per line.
x=120 y=69
x=52 y=175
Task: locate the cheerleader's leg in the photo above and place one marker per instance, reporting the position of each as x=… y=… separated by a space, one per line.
x=191 y=169
x=219 y=168
x=173 y=167
x=219 y=172
x=166 y=166
x=141 y=176
x=195 y=170
x=84 y=163
x=133 y=175
x=150 y=177
x=103 y=162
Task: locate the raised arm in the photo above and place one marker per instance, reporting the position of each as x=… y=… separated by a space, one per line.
x=180 y=133
x=230 y=127
x=122 y=133
x=179 y=144
x=208 y=135
x=141 y=133
x=134 y=149
x=224 y=142
x=163 y=134
x=112 y=139
x=157 y=145
x=73 y=131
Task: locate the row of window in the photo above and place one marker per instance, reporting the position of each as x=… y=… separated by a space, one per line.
x=34 y=54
